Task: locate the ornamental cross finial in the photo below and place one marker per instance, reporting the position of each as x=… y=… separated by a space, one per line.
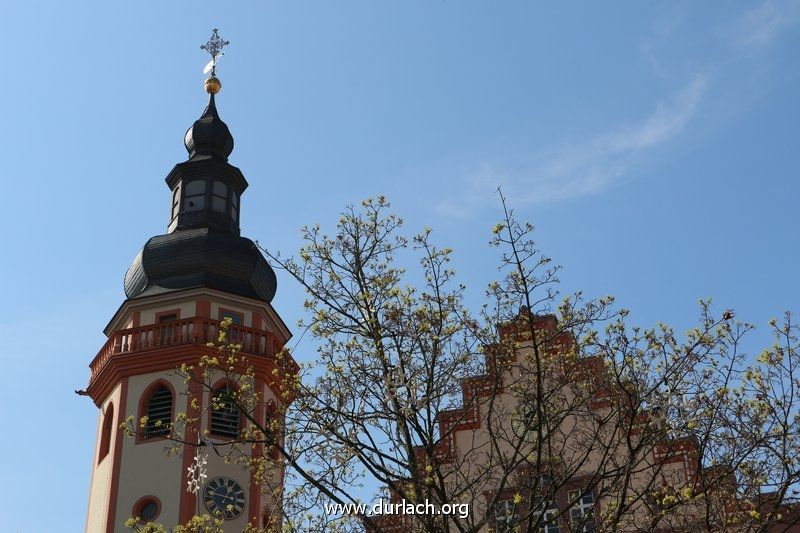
x=214 y=46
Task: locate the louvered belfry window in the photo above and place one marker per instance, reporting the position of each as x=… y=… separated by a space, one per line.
x=224 y=414
x=159 y=413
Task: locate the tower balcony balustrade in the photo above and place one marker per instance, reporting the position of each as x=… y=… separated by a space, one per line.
x=189 y=331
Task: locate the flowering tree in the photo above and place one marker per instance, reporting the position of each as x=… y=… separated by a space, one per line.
x=535 y=412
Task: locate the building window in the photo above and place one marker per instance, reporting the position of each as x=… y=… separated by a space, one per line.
x=194 y=197
x=106 y=432
x=234 y=206
x=237 y=318
x=168 y=333
x=224 y=413
x=219 y=196
x=234 y=335
x=176 y=201
x=159 y=412
x=546 y=511
x=147 y=509
x=538 y=482
x=170 y=316
x=506 y=516
x=582 y=511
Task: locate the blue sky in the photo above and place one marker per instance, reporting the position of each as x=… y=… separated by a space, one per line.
x=654 y=145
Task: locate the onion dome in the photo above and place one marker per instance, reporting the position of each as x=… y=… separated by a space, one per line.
x=203 y=247
x=201 y=257
x=209 y=135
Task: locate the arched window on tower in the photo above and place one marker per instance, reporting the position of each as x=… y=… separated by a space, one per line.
x=158 y=409
x=225 y=418
x=106 y=432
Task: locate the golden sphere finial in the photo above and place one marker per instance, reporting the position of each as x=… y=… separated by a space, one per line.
x=213 y=85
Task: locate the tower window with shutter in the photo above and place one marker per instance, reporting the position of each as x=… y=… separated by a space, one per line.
x=224 y=413
x=159 y=413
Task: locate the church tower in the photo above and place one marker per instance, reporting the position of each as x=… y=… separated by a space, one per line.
x=179 y=288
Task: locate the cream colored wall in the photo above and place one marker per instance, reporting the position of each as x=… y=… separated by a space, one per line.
x=146 y=469
x=217 y=466
x=187 y=310
x=275 y=484
x=100 y=490
x=185 y=300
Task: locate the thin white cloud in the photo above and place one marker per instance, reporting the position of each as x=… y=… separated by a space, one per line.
x=584 y=168
x=588 y=167
x=762 y=24
x=663 y=29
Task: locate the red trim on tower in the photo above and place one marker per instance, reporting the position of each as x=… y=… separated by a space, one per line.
x=161 y=359
x=188 y=501
x=117 y=443
x=202 y=308
x=258 y=450
x=137 y=508
x=106 y=433
x=136 y=318
x=272 y=415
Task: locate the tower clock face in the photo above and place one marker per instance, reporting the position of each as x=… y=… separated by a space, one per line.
x=224 y=498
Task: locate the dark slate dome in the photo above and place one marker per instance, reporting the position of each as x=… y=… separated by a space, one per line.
x=203 y=247
x=209 y=135
x=200 y=257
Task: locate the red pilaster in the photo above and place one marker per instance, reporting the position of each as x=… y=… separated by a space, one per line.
x=118 y=442
x=188 y=501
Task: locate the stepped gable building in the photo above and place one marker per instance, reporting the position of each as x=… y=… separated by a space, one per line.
x=179 y=287
x=576 y=484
